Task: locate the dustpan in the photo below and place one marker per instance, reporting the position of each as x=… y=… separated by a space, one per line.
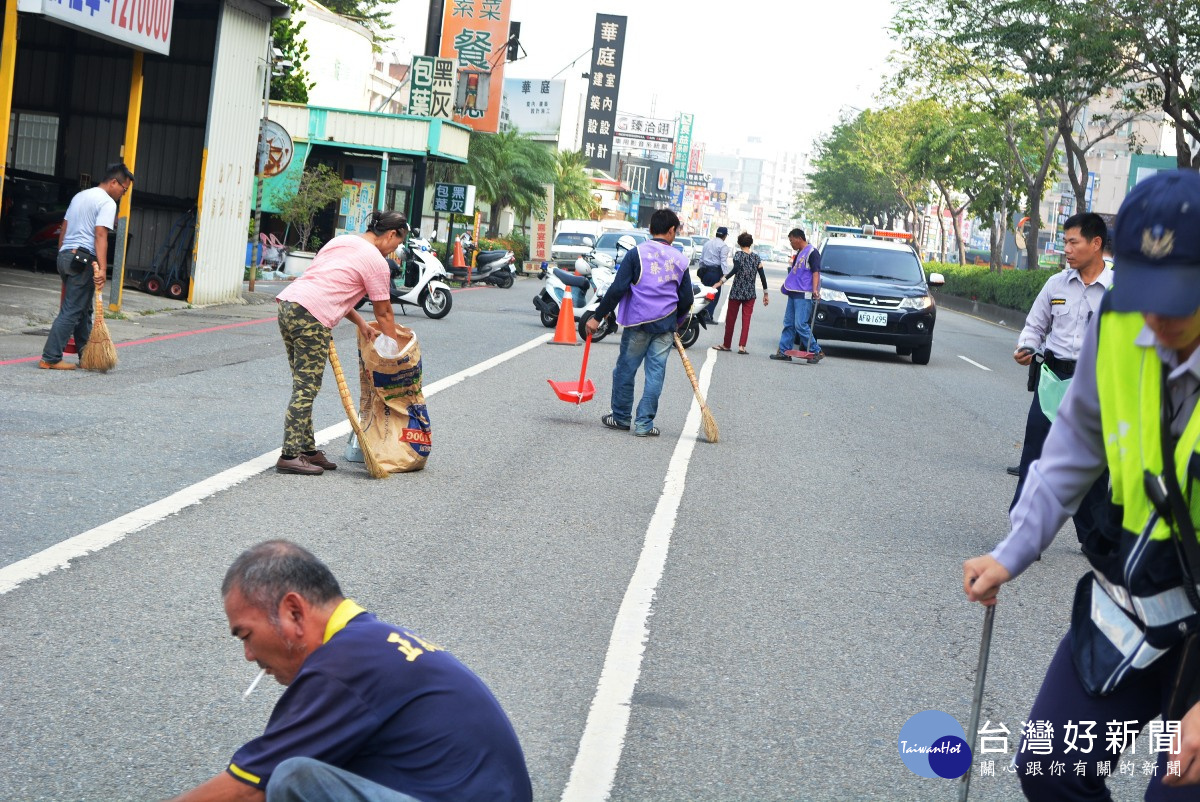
x=580 y=391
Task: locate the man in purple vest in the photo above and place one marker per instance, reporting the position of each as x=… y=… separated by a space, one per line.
x=802 y=288
x=654 y=290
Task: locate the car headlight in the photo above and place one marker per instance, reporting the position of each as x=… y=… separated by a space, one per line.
x=920 y=302
x=833 y=295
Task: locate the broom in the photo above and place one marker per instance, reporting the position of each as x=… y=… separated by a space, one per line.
x=373 y=467
x=711 y=433
x=99 y=354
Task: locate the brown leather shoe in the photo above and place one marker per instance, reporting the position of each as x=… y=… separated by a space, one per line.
x=319 y=459
x=44 y=365
x=300 y=465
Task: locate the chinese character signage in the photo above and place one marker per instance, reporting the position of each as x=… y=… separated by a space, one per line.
x=432 y=93
x=644 y=135
x=442 y=99
x=534 y=107
x=453 y=198
x=600 y=102
x=543 y=229
x=683 y=147
x=142 y=24
x=474 y=36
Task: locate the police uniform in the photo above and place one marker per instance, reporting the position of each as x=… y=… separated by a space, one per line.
x=1118 y=659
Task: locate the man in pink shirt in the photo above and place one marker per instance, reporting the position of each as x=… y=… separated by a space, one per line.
x=347 y=268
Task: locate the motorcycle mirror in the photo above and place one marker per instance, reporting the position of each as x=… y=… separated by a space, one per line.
x=433 y=236
x=415 y=233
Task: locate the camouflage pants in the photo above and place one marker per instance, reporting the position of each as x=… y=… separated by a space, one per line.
x=307 y=342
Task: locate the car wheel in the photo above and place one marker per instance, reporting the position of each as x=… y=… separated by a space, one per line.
x=920 y=355
x=437 y=303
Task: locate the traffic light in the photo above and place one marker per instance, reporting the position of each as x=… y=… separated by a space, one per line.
x=514 y=40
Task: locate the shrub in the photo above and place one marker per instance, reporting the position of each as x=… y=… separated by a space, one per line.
x=1011 y=289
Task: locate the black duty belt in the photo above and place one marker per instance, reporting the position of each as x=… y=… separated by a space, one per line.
x=1065 y=368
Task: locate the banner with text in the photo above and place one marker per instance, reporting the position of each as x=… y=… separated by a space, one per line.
x=644 y=135
x=432 y=87
x=534 y=107
x=475 y=36
x=683 y=148
x=142 y=24
x=600 y=113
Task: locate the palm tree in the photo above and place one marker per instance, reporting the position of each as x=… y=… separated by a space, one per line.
x=509 y=170
x=573 y=188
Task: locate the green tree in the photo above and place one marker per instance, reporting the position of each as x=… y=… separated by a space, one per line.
x=375 y=14
x=845 y=182
x=508 y=170
x=574 y=197
x=1161 y=40
x=306 y=197
x=290 y=84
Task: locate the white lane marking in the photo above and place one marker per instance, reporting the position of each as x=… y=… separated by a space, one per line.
x=60 y=554
x=595 y=766
x=976 y=364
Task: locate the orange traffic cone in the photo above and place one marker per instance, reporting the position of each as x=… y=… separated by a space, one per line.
x=459 y=260
x=564 y=334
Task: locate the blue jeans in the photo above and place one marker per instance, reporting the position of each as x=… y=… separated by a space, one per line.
x=303 y=779
x=796 y=325
x=75 y=314
x=638 y=346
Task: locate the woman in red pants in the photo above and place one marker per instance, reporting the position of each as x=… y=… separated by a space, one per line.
x=743 y=295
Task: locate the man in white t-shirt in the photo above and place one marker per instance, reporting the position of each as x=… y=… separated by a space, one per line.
x=83 y=262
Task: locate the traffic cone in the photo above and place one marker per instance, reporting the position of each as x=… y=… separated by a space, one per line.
x=459 y=260
x=564 y=334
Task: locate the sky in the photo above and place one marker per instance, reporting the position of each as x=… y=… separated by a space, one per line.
x=782 y=71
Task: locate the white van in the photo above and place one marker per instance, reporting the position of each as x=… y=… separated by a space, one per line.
x=589 y=227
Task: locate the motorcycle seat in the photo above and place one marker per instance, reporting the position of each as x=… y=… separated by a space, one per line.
x=571 y=280
x=488 y=256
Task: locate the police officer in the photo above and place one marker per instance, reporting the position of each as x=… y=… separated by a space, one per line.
x=1138 y=372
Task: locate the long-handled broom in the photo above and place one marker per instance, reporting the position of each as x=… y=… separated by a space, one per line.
x=373 y=467
x=711 y=433
x=99 y=354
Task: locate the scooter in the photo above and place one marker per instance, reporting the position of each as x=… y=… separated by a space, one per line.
x=420 y=282
x=549 y=300
x=491 y=267
x=597 y=271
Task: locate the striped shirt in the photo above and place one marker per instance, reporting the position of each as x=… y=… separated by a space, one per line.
x=345 y=270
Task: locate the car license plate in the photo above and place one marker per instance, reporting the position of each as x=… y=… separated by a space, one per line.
x=872 y=318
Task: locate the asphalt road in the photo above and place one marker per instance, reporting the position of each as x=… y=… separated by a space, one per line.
x=806 y=602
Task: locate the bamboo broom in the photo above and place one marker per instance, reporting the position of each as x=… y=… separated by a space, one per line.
x=373 y=467
x=711 y=433
x=99 y=354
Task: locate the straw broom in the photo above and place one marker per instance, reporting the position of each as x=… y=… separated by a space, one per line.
x=99 y=354
x=373 y=467
x=711 y=433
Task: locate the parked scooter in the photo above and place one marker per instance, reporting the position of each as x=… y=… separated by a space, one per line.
x=491 y=267
x=589 y=269
x=420 y=280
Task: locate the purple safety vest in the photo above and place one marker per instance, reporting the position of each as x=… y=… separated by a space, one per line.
x=799 y=277
x=656 y=292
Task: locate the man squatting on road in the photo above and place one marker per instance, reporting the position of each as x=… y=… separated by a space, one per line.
x=83 y=262
x=372 y=711
x=346 y=269
x=1135 y=617
x=1056 y=325
x=654 y=290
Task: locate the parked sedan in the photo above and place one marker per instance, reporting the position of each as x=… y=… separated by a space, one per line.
x=607 y=244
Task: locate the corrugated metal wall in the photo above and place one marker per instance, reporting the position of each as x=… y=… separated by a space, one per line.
x=230 y=142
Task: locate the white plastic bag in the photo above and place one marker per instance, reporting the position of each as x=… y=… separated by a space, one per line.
x=386 y=347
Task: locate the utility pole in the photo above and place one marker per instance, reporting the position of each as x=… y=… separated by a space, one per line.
x=433 y=47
